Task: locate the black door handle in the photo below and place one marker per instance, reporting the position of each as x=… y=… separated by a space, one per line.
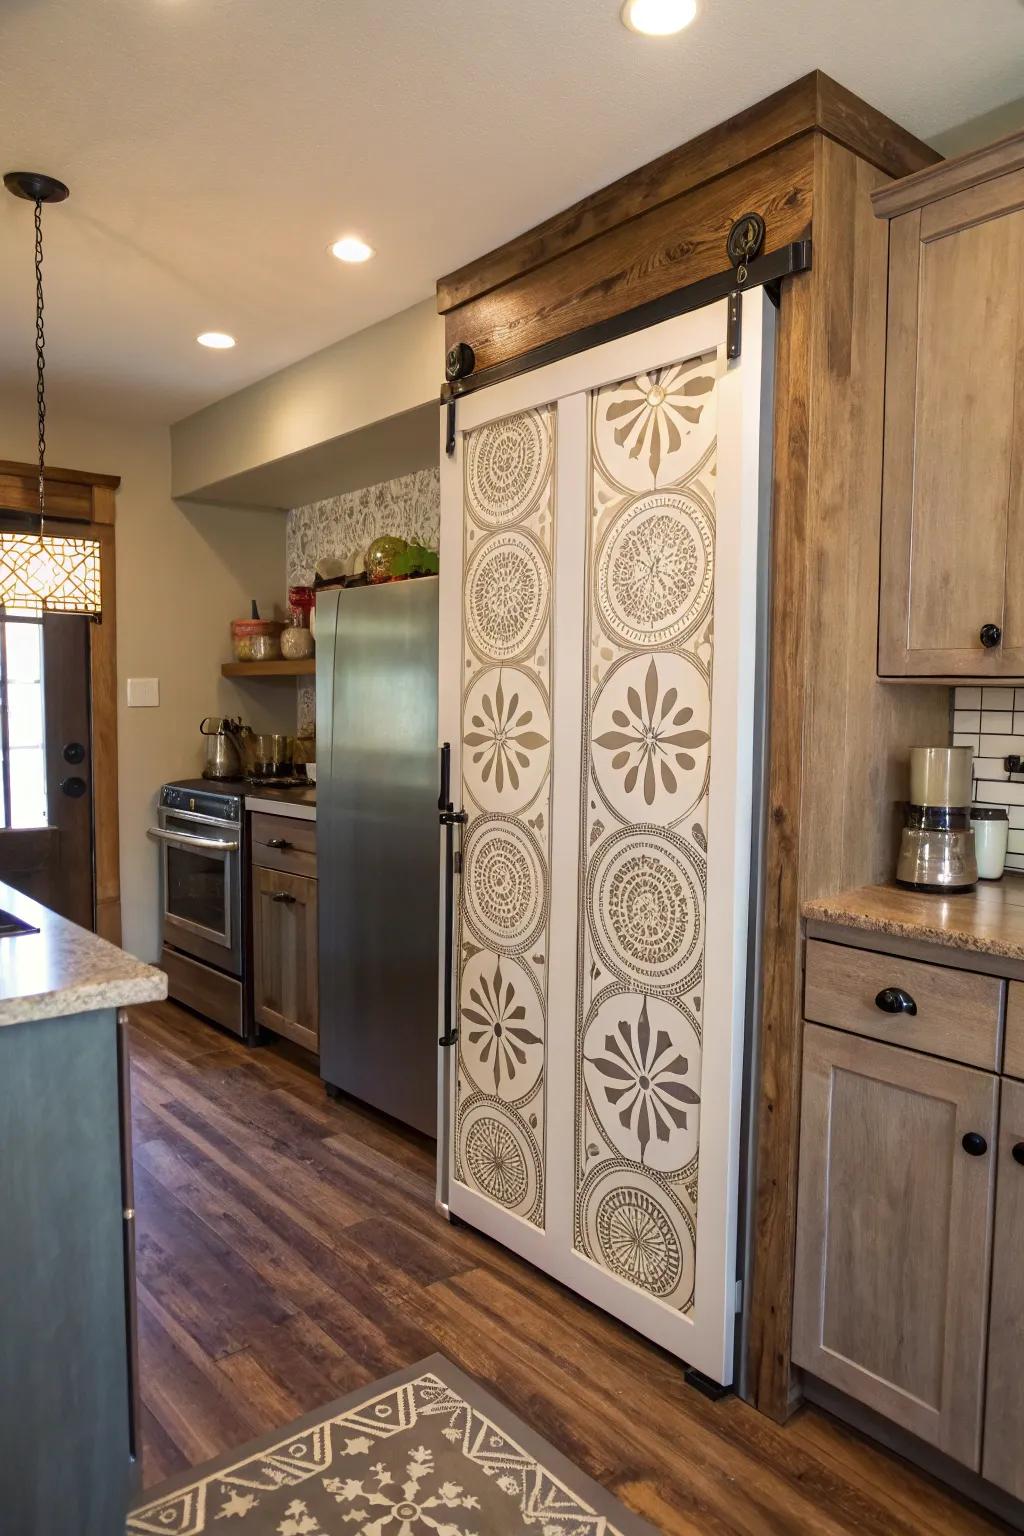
x=1017 y=1153
x=74 y=787
x=975 y=1144
x=449 y=818
x=278 y=842
x=895 y=1000
x=284 y=896
x=990 y=636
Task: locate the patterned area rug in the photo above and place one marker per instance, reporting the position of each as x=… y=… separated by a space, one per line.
x=426 y=1452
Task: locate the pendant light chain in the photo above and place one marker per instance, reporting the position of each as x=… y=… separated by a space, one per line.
x=40 y=363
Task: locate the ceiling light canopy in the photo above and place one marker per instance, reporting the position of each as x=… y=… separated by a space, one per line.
x=658 y=18
x=220 y=341
x=351 y=248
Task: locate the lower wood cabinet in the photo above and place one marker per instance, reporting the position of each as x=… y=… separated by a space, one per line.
x=284 y=923
x=897 y=1171
x=1003 y=1462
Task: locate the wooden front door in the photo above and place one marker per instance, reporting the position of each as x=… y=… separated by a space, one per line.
x=46 y=823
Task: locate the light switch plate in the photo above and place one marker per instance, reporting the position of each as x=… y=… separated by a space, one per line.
x=143 y=692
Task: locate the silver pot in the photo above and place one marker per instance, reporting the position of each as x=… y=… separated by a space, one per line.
x=223 y=755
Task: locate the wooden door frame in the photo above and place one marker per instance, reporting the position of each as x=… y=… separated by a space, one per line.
x=83 y=502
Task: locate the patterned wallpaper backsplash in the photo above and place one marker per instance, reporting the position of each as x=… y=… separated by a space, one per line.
x=991 y=720
x=343 y=526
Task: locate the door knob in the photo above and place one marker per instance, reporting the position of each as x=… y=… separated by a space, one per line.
x=975 y=1144
x=895 y=1000
x=74 y=787
x=74 y=752
x=1017 y=1152
x=990 y=636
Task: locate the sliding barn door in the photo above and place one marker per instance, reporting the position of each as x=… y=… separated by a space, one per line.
x=599 y=600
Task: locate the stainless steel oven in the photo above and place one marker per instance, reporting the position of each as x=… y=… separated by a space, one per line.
x=199 y=833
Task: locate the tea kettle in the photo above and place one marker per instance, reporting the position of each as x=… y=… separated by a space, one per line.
x=223 y=753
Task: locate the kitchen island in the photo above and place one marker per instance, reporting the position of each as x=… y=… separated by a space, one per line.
x=67 y=1369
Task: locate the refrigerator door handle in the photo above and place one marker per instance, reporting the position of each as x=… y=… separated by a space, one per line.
x=449 y=818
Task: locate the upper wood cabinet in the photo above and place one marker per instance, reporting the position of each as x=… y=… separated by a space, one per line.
x=952 y=556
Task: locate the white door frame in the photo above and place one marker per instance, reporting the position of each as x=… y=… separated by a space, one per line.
x=705 y=1336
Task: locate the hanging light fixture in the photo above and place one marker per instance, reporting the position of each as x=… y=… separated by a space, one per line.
x=38 y=573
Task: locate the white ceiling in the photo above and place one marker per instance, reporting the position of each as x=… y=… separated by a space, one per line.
x=215 y=147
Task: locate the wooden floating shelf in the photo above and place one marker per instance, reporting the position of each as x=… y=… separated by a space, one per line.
x=304 y=668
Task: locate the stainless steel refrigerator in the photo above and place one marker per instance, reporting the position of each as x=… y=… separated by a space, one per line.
x=377 y=844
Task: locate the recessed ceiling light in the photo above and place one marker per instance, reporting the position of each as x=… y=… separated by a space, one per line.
x=658 y=18
x=219 y=340
x=351 y=248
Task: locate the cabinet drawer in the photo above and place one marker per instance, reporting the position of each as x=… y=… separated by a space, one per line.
x=281 y=842
x=957 y=1012
x=1013 y=1061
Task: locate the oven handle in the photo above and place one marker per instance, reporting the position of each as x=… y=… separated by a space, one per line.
x=186 y=840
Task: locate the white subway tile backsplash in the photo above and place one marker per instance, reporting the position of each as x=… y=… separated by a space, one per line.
x=987 y=793
x=1015 y=861
x=988 y=767
x=998 y=721
x=967 y=719
x=1015 y=841
x=962 y=739
x=996 y=698
x=1016 y=816
x=968 y=698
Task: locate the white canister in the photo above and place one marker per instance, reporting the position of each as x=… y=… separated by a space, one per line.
x=991 y=830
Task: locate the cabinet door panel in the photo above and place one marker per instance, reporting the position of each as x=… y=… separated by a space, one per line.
x=951 y=488
x=285 y=954
x=1004 y=1401
x=893 y=1234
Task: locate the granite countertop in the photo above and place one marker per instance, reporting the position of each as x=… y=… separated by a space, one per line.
x=988 y=920
x=300 y=803
x=64 y=969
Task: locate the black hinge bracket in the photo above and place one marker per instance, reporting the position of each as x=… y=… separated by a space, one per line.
x=734 y=324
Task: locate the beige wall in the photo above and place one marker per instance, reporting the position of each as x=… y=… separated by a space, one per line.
x=182 y=574
x=351 y=387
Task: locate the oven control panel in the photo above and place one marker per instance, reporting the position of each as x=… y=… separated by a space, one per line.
x=201 y=801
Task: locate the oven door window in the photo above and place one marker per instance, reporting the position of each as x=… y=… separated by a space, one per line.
x=198 y=891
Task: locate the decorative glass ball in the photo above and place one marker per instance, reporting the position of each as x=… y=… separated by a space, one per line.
x=381 y=554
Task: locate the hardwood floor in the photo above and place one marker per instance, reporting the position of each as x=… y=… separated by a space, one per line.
x=289 y=1251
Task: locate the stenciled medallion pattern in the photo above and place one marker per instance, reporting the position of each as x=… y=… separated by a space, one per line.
x=506 y=782
x=643 y=871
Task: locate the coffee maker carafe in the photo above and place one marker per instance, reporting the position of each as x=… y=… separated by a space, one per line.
x=937 y=842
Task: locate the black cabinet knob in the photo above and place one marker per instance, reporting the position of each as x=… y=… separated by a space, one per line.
x=74 y=787
x=278 y=842
x=285 y=897
x=895 y=1000
x=74 y=752
x=990 y=636
x=975 y=1144
x=1017 y=1153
